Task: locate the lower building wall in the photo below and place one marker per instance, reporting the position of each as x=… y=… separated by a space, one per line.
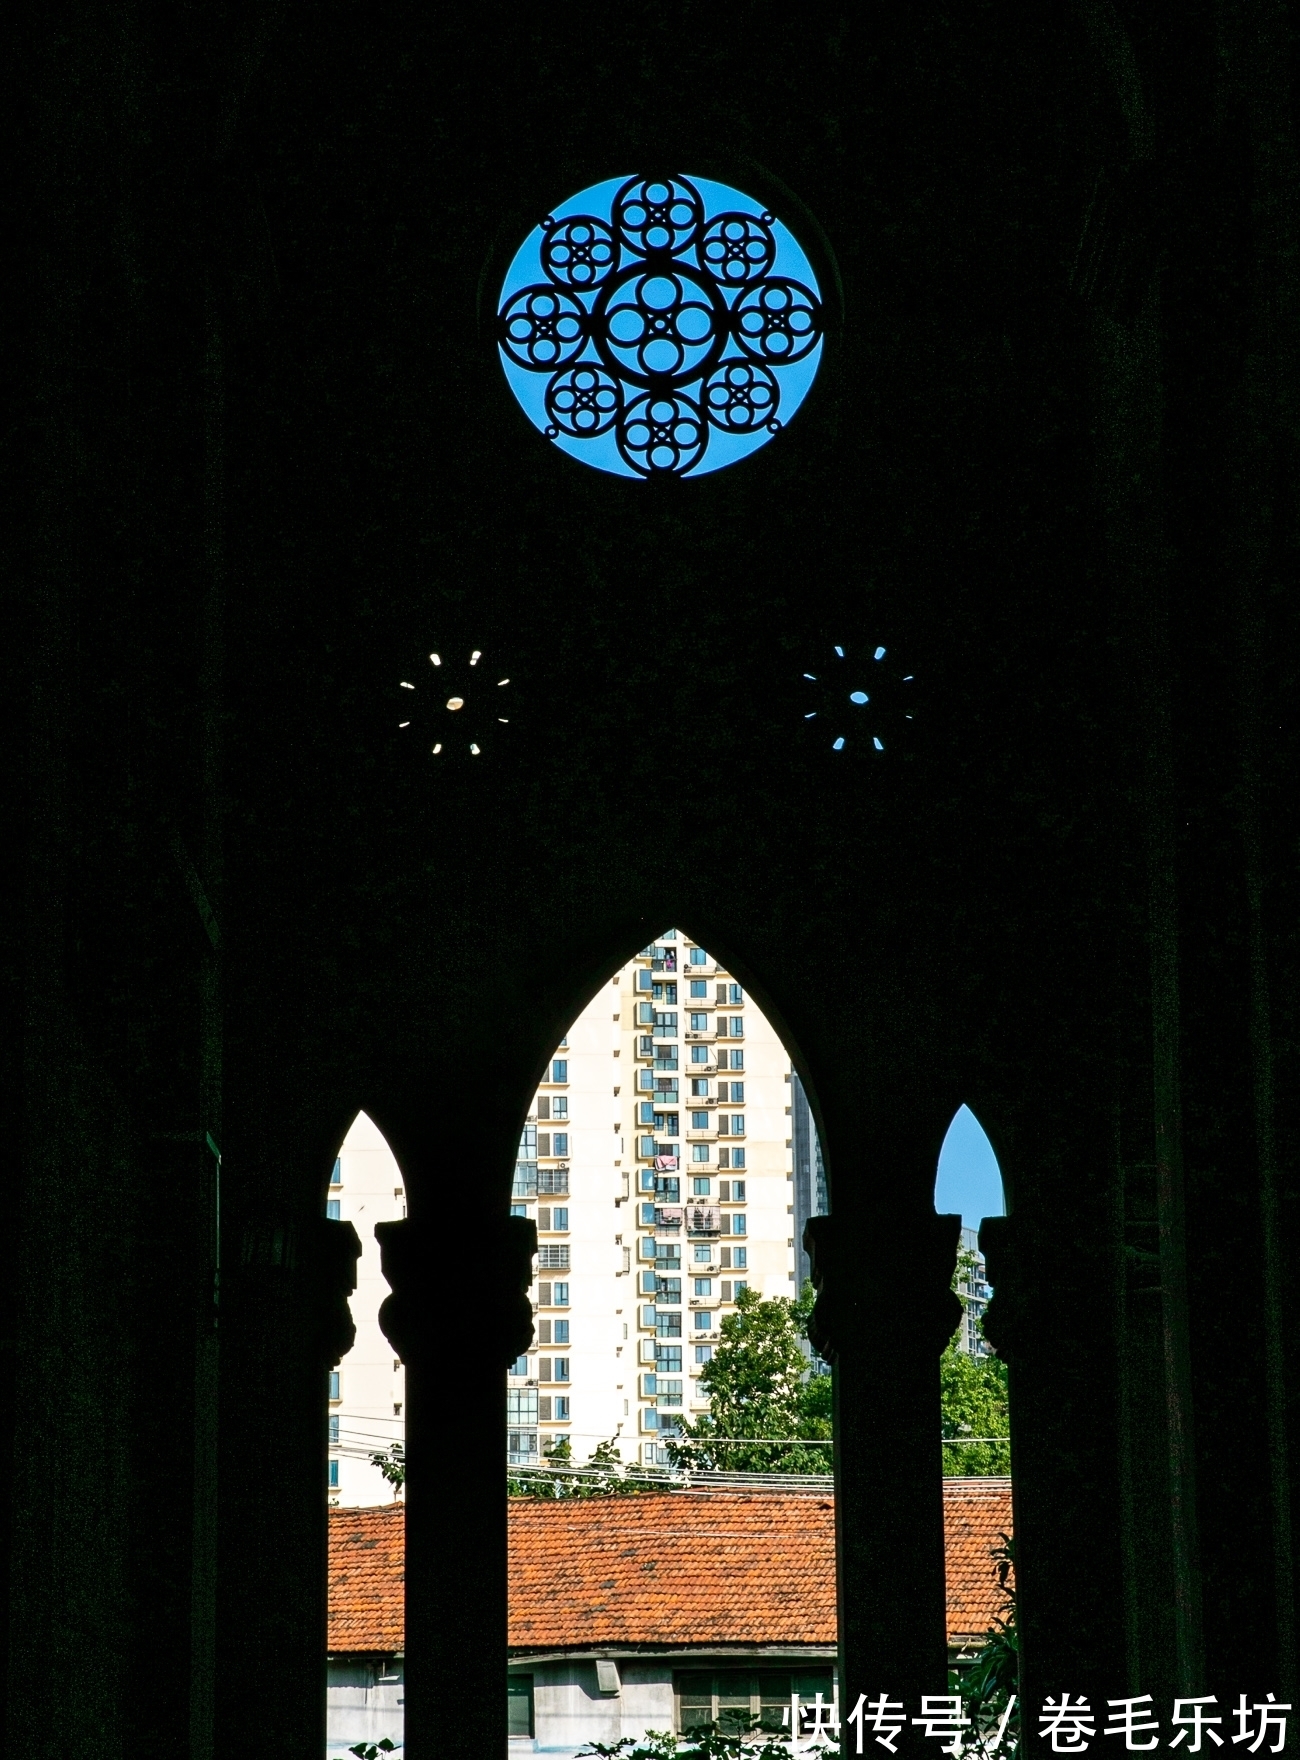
x=570 y=1712
x=357 y=1709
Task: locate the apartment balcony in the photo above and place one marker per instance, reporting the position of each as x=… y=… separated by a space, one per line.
x=703 y=1302
x=699 y=1036
x=706 y=1136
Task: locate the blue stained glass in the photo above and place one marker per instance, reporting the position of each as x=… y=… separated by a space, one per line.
x=654 y=328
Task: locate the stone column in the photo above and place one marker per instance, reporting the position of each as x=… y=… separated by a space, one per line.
x=885 y=1310
x=1067 y=1491
x=457 y=1331
x=285 y=1323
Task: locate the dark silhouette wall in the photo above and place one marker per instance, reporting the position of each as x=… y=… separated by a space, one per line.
x=1049 y=460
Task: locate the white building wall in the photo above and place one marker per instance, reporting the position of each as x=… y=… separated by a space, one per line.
x=570 y=1712
x=370 y=1410
x=362 y=1705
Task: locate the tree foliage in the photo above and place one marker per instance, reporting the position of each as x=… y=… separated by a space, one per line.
x=764 y=1404
x=393 y=1467
x=603 y=1476
x=990 y=1685
x=707 y=1743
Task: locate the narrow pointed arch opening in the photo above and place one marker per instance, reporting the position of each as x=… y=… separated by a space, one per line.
x=975 y=1397
x=669 y=1160
x=367 y=1390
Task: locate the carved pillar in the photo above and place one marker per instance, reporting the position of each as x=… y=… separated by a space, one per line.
x=885 y=1310
x=1066 y=1487
x=456 y=1559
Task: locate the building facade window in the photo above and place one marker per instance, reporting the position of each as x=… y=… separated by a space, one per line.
x=333 y=1209
x=334 y=1475
x=521 y=1447
x=559 y=1069
x=336 y=1384
x=336 y=1174
x=521 y=1405
x=736 y=1700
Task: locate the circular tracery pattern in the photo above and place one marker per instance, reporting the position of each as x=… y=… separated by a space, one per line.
x=676 y=328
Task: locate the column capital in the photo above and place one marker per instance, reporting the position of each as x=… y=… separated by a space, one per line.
x=897 y=1280
x=315 y=1254
x=409 y=1252
x=1011 y=1318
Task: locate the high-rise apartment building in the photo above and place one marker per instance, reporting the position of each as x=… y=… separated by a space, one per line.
x=658 y=1163
x=974 y=1289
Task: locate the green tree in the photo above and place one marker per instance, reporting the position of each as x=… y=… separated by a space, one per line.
x=393 y=1466
x=606 y=1480
x=707 y=1743
x=762 y=1407
x=991 y=1682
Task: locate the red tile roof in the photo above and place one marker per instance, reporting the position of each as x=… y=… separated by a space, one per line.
x=681 y=1568
x=367 y=1580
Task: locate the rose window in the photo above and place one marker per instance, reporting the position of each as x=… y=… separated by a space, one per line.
x=660 y=327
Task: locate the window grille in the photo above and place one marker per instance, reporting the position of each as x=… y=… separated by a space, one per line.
x=736 y=1699
x=553 y=1258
